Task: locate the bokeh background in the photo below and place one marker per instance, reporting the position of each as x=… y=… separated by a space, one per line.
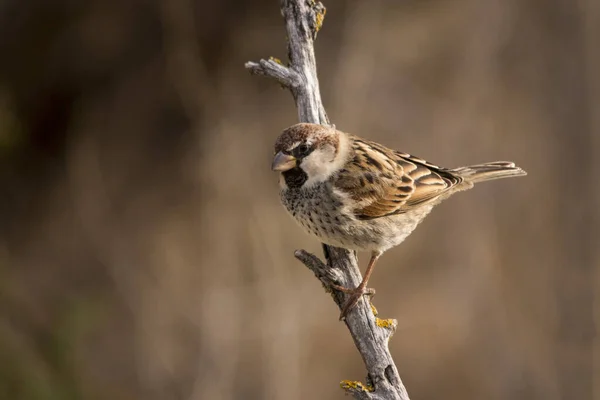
x=143 y=250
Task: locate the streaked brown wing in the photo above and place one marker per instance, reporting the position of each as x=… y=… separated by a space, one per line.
x=384 y=182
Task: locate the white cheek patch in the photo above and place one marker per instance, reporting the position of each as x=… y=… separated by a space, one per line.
x=321 y=164
x=318 y=165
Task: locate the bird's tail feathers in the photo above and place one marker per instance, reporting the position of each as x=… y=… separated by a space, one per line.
x=489 y=171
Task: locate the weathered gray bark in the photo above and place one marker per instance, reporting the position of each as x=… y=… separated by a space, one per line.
x=303 y=19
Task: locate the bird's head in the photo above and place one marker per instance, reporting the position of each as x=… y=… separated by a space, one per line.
x=306 y=154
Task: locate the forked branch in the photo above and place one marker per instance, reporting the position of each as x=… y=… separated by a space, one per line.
x=303 y=20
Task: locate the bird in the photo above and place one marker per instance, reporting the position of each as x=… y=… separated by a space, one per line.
x=357 y=194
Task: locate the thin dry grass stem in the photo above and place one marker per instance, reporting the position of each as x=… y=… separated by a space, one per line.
x=303 y=19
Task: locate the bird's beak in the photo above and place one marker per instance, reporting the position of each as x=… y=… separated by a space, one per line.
x=283 y=162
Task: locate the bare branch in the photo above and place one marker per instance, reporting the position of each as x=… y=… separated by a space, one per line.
x=303 y=19
x=322 y=271
x=273 y=69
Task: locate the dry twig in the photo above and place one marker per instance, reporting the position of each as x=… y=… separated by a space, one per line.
x=303 y=19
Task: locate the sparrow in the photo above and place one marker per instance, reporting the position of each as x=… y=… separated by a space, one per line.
x=357 y=194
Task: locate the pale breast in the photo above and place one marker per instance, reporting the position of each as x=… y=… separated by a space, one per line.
x=321 y=213
x=317 y=213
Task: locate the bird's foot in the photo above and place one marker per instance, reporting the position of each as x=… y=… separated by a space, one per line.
x=355 y=295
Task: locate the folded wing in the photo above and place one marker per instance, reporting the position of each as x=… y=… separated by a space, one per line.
x=385 y=182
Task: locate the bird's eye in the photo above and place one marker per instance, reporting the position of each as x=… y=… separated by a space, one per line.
x=302 y=150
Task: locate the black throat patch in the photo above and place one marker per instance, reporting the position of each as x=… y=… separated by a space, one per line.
x=295 y=177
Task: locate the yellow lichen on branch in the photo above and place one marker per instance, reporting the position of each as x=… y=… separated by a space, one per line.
x=385 y=323
x=319 y=19
x=374 y=310
x=320 y=11
x=355 y=385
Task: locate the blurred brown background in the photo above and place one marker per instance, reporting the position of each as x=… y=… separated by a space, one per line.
x=143 y=250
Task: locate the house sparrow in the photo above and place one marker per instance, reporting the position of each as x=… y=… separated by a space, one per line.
x=356 y=194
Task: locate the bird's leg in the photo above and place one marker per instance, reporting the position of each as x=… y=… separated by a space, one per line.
x=355 y=294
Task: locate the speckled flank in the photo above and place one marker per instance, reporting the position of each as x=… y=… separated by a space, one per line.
x=317 y=211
